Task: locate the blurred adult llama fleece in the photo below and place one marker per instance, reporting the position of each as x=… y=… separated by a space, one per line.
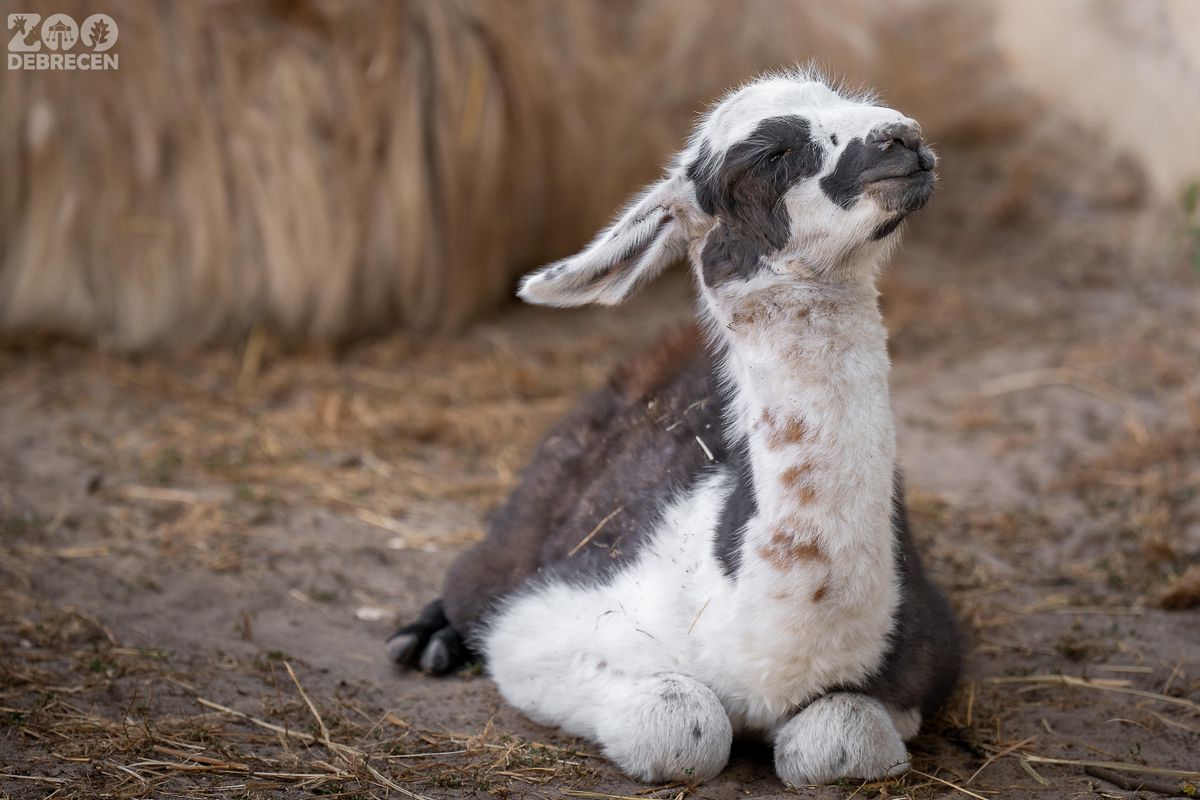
x=328 y=168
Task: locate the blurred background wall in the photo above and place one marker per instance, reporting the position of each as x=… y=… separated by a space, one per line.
x=331 y=168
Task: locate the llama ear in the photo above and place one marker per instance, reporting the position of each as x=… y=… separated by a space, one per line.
x=645 y=238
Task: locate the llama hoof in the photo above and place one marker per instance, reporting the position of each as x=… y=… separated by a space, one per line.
x=669 y=728
x=405 y=646
x=444 y=652
x=840 y=735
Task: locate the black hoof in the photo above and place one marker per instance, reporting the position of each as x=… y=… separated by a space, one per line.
x=444 y=652
x=429 y=643
x=403 y=648
x=406 y=645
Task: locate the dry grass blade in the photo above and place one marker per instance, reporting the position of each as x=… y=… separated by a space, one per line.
x=312 y=708
x=599 y=795
x=382 y=522
x=1120 y=766
x=592 y=535
x=1031 y=772
x=199 y=759
x=409 y=756
x=698 y=614
x=160 y=495
x=1006 y=751
x=683 y=787
x=383 y=780
x=262 y=723
x=33 y=778
x=301 y=776
x=944 y=782
x=153 y=764
x=1119 y=687
x=1174 y=723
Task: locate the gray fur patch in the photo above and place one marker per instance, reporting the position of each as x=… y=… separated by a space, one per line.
x=745 y=193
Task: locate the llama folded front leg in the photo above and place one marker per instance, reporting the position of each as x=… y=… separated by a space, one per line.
x=839 y=735
x=656 y=725
x=656 y=728
x=665 y=727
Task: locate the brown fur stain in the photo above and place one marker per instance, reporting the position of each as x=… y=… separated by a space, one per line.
x=759 y=310
x=796 y=478
x=786 y=550
x=822 y=591
x=825 y=307
x=792 y=431
x=818 y=595
x=748 y=315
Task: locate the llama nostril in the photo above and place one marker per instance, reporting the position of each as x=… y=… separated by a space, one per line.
x=897 y=133
x=925 y=158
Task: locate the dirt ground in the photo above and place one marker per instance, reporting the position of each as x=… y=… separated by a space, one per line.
x=202 y=554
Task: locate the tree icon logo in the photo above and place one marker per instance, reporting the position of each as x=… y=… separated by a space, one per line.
x=99 y=32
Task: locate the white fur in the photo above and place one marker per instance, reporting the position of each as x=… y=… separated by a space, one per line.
x=663 y=661
x=841 y=735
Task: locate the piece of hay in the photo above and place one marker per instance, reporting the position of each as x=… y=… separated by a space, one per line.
x=1182 y=591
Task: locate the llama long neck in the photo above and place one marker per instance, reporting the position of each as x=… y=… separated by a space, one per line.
x=816 y=587
x=809 y=366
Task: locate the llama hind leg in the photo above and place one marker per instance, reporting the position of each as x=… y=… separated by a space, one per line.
x=840 y=735
x=430 y=643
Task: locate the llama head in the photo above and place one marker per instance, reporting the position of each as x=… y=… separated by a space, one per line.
x=784 y=180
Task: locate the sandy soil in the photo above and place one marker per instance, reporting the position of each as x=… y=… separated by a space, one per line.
x=188 y=537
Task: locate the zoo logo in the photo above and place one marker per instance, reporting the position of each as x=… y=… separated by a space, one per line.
x=49 y=45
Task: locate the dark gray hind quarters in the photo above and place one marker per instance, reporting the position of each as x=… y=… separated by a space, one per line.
x=430 y=643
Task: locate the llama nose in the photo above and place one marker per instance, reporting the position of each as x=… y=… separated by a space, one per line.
x=895 y=133
x=904 y=135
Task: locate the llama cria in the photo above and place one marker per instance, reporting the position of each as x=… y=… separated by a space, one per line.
x=716 y=542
